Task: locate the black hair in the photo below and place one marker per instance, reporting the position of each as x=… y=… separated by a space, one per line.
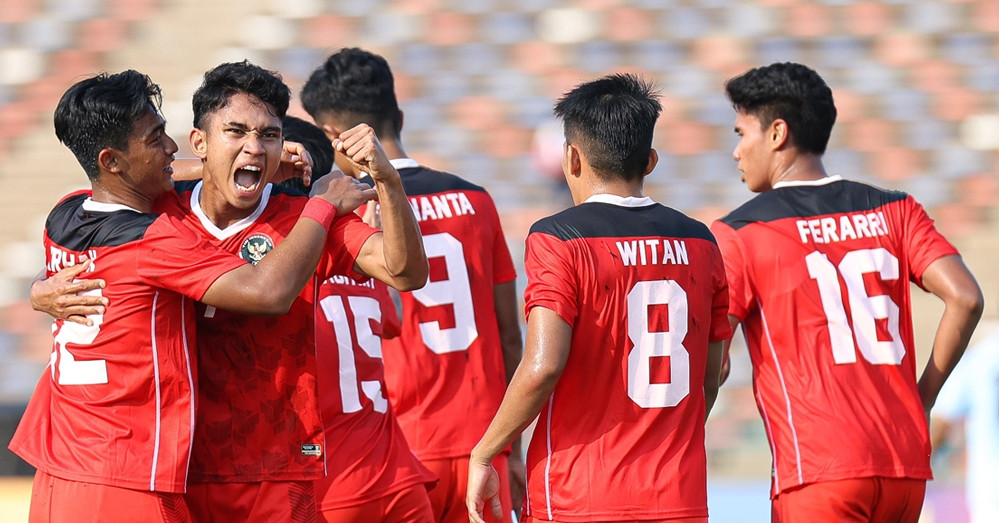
x=612 y=120
x=101 y=112
x=315 y=141
x=228 y=79
x=790 y=92
x=357 y=86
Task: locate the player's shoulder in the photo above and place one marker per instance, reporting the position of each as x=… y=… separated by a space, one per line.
x=424 y=180
x=71 y=225
x=803 y=201
x=595 y=219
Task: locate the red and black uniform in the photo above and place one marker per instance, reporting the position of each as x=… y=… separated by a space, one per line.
x=819 y=277
x=622 y=435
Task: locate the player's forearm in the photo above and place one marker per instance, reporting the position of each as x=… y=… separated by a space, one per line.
x=712 y=374
x=186 y=169
x=505 y=306
x=402 y=242
x=956 y=327
x=524 y=398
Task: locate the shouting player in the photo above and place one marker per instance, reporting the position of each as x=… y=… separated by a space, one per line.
x=626 y=304
x=460 y=337
x=109 y=426
x=818 y=270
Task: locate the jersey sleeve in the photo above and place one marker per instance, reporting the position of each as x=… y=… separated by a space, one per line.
x=343 y=245
x=924 y=243
x=739 y=291
x=178 y=259
x=551 y=281
x=721 y=328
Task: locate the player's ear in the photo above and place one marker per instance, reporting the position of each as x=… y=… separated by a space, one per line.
x=572 y=160
x=653 y=160
x=111 y=160
x=199 y=143
x=778 y=133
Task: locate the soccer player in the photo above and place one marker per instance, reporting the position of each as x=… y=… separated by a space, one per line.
x=818 y=271
x=259 y=442
x=626 y=303
x=109 y=426
x=460 y=337
x=371 y=473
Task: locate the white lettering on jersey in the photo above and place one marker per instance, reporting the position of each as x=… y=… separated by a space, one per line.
x=59 y=259
x=648 y=252
x=846 y=227
x=341 y=279
x=440 y=206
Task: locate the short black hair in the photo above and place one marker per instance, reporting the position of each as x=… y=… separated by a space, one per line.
x=358 y=87
x=101 y=112
x=612 y=119
x=228 y=79
x=791 y=92
x=315 y=141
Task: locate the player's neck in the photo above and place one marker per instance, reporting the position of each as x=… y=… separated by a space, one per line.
x=219 y=211
x=393 y=149
x=800 y=168
x=583 y=190
x=121 y=196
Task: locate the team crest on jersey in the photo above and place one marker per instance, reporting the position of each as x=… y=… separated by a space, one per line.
x=255 y=247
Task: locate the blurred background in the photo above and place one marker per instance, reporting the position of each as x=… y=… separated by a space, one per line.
x=916 y=83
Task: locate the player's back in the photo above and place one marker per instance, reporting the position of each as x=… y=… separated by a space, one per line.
x=445 y=373
x=117 y=404
x=820 y=279
x=622 y=435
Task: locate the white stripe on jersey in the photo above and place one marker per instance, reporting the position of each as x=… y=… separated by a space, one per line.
x=548 y=461
x=787 y=398
x=156 y=378
x=190 y=384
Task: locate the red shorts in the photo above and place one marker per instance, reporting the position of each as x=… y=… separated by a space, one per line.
x=861 y=500
x=448 y=498
x=263 y=502
x=56 y=500
x=409 y=505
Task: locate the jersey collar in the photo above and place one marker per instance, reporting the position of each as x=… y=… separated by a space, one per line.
x=90 y=205
x=404 y=163
x=622 y=201
x=809 y=183
x=235 y=228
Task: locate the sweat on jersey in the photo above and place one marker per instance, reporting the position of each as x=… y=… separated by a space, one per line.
x=818 y=275
x=622 y=435
x=116 y=405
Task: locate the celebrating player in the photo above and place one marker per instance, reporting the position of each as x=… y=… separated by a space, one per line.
x=626 y=304
x=818 y=270
x=460 y=337
x=109 y=426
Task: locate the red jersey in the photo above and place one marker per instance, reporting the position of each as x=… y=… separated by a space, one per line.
x=258 y=411
x=116 y=406
x=445 y=374
x=819 y=276
x=622 y=435
x=367 y=454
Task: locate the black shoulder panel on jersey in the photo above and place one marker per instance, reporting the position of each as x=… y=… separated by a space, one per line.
x=813 y=200
x=604 y=220
x=284 y=190
x=421 y=180
x=185 y=186
x=73 y=228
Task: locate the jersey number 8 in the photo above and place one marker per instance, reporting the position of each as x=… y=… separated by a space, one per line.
x=648 y=345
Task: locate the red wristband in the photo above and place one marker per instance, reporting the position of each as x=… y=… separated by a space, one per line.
x=321 y=211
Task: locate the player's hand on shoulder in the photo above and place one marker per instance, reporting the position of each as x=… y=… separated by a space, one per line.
x=361 y=148
x=344 y=192
x=64 y=296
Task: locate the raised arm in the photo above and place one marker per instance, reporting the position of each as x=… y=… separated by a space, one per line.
x=396 y=255
x=951 y=281
x=270 y=286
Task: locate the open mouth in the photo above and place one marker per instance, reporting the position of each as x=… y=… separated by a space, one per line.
x=247 y=178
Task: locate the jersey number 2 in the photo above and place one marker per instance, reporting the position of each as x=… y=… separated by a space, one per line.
x=865 y=310
x=648 y=345
x=364 y=309
x=70 y=370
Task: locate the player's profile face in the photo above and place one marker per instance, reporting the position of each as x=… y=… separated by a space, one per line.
x=750 y=152
x=150 y=155
x=242 y=151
